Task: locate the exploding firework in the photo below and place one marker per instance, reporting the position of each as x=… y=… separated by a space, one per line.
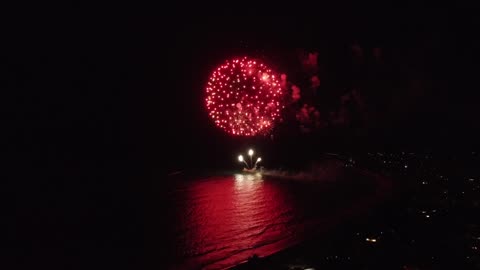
x=244 y=97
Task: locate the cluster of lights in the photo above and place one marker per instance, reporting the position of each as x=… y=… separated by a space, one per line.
x=371 y=240
x=244 y=97
x=251 y=166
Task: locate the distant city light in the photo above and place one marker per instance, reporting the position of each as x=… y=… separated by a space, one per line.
x=373 y=240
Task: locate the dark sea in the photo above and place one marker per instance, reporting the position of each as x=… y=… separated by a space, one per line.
x=217 y=222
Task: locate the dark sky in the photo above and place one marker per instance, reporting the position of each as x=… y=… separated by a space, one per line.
x=433 y=45
x=93 y=84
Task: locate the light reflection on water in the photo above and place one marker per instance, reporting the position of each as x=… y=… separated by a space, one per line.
x=222 y=221
x=248 y=182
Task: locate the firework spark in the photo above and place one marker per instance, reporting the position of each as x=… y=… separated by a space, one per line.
x=244 y=97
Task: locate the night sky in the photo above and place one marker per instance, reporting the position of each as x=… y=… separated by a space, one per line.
x=94 y=97
x=428 y=54
x=137 y=82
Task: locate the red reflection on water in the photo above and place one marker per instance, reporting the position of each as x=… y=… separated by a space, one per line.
x=231 y=218
x=224 y=220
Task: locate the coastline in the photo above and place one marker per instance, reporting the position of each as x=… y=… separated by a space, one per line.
x=299 y=256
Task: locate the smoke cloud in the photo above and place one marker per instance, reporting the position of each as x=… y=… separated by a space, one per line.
x=315 y=82
x=295 y=93
x=330 y=170
x=310 y=62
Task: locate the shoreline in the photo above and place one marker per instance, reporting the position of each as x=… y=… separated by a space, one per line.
x=282 y=258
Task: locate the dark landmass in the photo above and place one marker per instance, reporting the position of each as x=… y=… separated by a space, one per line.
x=428 y=223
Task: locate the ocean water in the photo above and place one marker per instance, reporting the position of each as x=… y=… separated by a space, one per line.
x=220 y=221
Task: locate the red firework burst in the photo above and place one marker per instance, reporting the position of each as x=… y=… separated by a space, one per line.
x=244 y=97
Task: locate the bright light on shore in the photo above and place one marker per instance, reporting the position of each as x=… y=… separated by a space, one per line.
x=240 y=158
